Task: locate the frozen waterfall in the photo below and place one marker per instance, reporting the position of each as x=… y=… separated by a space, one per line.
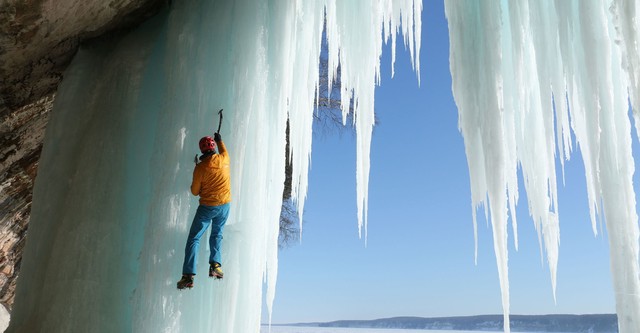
x=111 y=205
x=521 y=68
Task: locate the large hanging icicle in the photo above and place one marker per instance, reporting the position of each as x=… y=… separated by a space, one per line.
x=625 y=19
x=514 y=65
x=353 y=35
x=111 y=205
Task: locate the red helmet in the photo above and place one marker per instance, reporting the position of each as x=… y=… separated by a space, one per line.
x=206 y=144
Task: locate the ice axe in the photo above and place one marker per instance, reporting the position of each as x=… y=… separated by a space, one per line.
x=220 y=123
x=218 y=131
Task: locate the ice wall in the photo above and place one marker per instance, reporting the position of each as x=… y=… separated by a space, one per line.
x=111 y=205
x=519 y=68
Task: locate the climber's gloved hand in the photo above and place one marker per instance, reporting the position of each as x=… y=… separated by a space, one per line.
x=217 y=137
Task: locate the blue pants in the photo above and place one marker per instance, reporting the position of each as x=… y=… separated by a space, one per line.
x=216 y=216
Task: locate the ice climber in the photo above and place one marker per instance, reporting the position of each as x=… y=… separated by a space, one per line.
x=211 y=181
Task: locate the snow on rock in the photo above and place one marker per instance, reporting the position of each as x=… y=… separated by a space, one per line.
x=5 y=317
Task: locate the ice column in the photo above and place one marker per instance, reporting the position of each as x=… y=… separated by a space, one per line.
x=514 y=67
x=625 y=16
x=112 y=207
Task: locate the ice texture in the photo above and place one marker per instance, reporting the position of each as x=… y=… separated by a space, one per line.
x=519 y=68
x=112 y=208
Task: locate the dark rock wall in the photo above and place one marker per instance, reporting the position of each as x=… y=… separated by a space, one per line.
x=22 y=134
x=38 y=39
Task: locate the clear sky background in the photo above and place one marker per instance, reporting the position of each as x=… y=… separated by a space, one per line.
x=419 y=260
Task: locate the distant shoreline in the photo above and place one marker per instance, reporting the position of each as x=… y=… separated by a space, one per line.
x=601 y=323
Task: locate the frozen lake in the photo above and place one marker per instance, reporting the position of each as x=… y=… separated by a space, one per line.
x=299 y=329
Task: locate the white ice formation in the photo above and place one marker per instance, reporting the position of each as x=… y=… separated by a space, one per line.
x=521 y=68
x=111 y=204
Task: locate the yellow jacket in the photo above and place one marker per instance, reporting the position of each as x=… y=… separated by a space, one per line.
x=212 y=178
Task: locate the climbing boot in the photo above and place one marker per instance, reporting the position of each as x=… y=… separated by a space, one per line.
x=186 y=281
x=215 y=270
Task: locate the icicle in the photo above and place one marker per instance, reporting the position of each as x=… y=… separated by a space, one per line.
x=143 y=102
x=354 y=42
x=514 y=64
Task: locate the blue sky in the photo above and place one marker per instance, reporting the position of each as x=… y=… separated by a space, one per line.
x=419 y=260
